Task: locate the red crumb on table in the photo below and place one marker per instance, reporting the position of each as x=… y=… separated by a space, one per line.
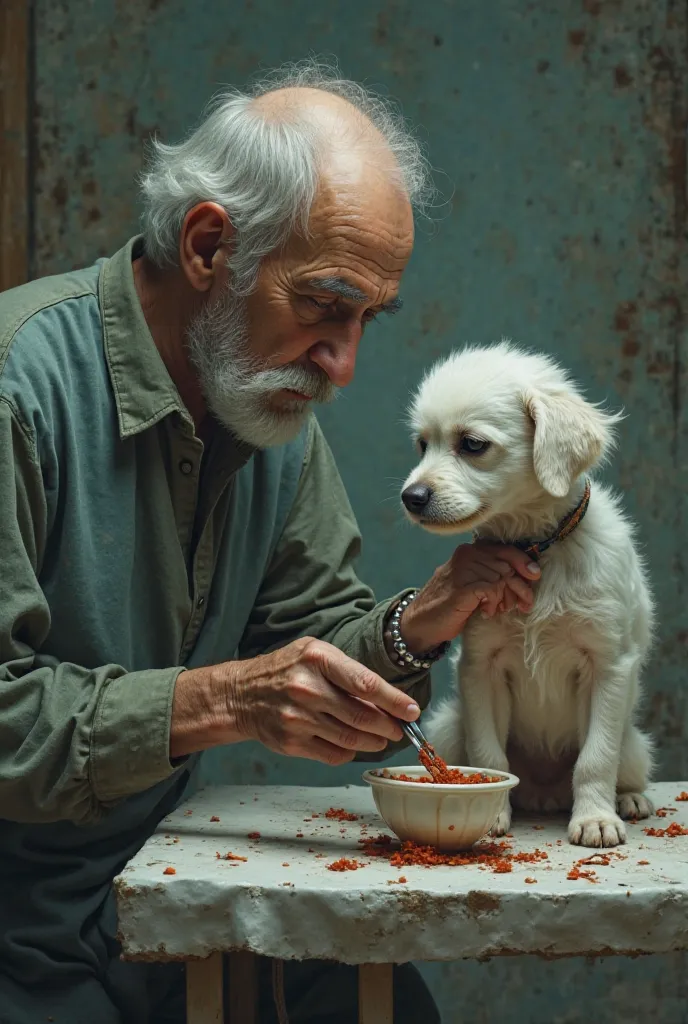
x=299 y=835
x=339 y=814
x=582 y=867
x=214 y=818
x=643 y=862
x=402 y=879
x=188 y=814
x=452 y=827
x=230 y=856
x=495 y=856
x=345 y=864
x=253 y=835
x=576 y=873
x=661 y=812
x=285 y=864
x=530 y=881
x=170 y=871
x=682 y=796
x=538 y=828
x=670 y=832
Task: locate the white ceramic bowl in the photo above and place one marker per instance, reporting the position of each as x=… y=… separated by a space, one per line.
x=450 y=817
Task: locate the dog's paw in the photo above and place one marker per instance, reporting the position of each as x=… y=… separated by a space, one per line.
x=597 y=830
x=634 y=806
x=502 y=824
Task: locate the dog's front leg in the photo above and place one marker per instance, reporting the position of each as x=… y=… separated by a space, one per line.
x=602 y=719
x=486 y=710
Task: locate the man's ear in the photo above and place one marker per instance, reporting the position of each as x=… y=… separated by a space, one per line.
x=571 y=436
x=204 y=237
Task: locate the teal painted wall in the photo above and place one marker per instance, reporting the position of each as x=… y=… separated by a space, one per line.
x=560 y=131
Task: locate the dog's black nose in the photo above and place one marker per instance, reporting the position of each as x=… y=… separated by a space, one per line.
x=416 y=497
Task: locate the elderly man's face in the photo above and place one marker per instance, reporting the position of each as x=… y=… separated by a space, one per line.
x=263 y=361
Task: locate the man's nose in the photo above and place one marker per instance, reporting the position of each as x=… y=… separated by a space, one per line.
x=416 y=497
x=336 y=354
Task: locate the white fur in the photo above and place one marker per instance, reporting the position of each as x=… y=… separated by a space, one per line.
x=550 y=695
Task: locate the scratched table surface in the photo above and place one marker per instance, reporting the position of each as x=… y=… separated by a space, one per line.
x=178 y=899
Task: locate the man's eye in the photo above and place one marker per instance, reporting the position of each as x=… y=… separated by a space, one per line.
x=422 y=445
x=369 y=316
x=473 y=445
x=318 y=303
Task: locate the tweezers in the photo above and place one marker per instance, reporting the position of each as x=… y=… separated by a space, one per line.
x=417 y=737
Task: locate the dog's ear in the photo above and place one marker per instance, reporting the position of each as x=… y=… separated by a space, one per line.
x=571 y=436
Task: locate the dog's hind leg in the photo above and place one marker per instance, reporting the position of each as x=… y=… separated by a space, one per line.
x=635 y=768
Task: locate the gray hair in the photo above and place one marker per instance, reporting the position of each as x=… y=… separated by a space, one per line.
x=263 y=171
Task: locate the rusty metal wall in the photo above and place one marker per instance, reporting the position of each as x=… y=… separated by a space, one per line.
x=561 y=127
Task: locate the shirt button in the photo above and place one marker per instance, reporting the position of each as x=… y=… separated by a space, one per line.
x=200 y=602
x=186 y=467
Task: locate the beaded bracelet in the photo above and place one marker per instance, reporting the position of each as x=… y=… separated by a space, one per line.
x=404 y=656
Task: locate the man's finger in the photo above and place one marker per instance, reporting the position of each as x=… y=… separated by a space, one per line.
x=359 y=681
x=497 y=565
x=490 y=598
x=520 y=562
x=521 y=589
x=360 y=715
x=317 y=749
x=341 y=735
x=489 y=572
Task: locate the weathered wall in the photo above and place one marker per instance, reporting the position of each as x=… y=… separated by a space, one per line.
x=561 y=126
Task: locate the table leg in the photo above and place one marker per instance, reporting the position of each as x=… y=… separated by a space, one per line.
x=204 y=990
x=375 y=994
x=243 y=988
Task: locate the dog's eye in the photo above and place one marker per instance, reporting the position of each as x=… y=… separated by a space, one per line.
x=473 y=445
x=422 y=446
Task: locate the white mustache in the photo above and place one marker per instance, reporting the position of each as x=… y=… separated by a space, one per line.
x=316 y=385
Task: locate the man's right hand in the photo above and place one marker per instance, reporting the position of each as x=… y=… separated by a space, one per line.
x=307 y=699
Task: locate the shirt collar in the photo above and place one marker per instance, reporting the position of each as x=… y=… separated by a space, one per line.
x=144 y=391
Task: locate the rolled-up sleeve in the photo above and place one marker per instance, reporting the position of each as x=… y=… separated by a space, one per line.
x=312 y=589
x=73 y=740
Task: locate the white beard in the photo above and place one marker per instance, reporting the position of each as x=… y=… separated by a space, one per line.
x=236 y=386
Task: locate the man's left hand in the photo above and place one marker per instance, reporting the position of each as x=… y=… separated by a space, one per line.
x=483 y=576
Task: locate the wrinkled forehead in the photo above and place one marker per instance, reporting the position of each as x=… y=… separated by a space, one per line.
x=360 y=230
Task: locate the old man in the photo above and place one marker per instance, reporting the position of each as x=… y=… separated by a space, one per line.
x=176 y=544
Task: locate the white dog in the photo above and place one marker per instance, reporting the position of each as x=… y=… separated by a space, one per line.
x=506 y=442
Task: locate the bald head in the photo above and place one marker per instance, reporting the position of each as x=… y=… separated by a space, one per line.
x=352 y=151
x=268 y=157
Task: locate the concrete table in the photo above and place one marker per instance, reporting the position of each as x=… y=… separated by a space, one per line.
x=178 y=901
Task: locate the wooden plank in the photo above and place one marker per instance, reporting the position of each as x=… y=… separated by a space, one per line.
x=375 y=994
x=243 y=988
x=14 y=147
x=204 y=990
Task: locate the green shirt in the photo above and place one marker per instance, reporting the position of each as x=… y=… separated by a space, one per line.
x=123 y=559
x=128 y=553
x=110 y=549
